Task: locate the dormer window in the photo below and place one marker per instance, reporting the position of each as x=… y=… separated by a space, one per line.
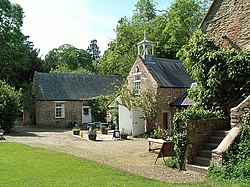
x=137 y=83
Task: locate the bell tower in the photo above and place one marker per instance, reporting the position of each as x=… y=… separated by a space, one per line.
x=146 y=49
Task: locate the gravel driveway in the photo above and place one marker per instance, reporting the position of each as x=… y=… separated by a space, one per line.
x=131 y=155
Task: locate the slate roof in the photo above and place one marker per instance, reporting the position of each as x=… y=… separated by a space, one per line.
x=183 y=100
x=60 y=87
x=169 y=73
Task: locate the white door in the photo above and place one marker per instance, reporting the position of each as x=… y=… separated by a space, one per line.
x=86 y=114
x=138 y=122
x=124 y=119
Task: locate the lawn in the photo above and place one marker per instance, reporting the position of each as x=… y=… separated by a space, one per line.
x=22 y=165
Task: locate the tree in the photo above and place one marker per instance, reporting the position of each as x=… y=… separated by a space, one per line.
x=93 y=50
x=147 y=102
x=144 y=11
x=18 y=58
x=169 y=31
x=222 y=76
x=9 y=105
x=122 y=51
x=68 y=55
x=183 y=20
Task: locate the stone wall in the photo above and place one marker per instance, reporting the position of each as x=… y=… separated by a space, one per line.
x=238 y=113
x=164 y=95
x=198 y=132
x=147 y=80
x=227 y=23
x=45 y=114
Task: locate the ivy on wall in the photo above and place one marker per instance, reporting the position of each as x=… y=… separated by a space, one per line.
x=180 y=124
x=222 y=75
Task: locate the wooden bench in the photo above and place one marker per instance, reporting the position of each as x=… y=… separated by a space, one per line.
x=166 y=147
x=1 y=134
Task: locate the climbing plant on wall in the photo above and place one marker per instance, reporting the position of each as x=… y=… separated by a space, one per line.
x=222 y=75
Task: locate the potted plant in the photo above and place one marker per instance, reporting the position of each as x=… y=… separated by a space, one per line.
x=124 y=134
x=76 y=130
x=92 y=134
x=104 y=129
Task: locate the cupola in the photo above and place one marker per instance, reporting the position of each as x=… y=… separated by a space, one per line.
x=146 y=49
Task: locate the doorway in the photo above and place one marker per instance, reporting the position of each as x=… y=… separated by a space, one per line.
x=86 y=114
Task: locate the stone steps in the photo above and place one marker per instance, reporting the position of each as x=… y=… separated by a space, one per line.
x=202 y=161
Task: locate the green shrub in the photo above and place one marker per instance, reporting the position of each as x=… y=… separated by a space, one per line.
x=171 y=162
x=9 y=105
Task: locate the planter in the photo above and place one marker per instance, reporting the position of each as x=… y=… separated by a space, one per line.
x=105 y=131
x=124 y=136
x=92 y=136
x=76 y=132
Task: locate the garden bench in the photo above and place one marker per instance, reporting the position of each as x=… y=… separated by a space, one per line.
x=166 y=147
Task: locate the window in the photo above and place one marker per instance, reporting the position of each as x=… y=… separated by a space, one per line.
x=137 y=83
x=86 y=111
x=59 y=109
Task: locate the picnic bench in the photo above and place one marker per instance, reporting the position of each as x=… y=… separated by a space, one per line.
x=166 y=147
x=1 y=134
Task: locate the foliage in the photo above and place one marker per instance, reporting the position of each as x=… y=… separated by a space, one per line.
x=70 y=57
x=91 y=131
x=146 y=102
x=103 y=128
x=161 y=133
x=9 y=105
x=180 y=138
x=18 y=58
x=182 y=21
x=222 y=76
x=171 y=162
x=237 y=161
x=127 y=97
x=169 y=31
x=99 y=107
x=144 y=11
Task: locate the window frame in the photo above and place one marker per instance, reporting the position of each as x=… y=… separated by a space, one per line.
x=59 y=109
x=137 y=83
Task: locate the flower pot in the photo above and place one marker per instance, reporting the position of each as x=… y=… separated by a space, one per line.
x=92 y=136
x=76 y=132
x=105 y=131
x=124 y=136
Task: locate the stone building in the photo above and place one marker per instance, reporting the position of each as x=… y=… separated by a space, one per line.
x=167 y=78
x=64 y=97
x=227 y=23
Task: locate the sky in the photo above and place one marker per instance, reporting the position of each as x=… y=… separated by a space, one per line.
x=51 y=23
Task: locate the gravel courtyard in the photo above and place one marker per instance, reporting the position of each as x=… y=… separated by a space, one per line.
x=131 y=155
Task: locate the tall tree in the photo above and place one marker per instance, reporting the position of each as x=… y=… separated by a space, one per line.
x=183 y=20
x=144 y=11
x=93 y=50
x=18 y=58
x=122 y=51
x=70 y=56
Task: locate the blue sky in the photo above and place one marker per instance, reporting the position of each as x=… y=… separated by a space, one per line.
x=51 y=23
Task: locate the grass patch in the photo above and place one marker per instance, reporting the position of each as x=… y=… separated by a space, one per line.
x=22 y=165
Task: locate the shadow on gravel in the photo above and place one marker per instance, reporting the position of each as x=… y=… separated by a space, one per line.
x=31 y=131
